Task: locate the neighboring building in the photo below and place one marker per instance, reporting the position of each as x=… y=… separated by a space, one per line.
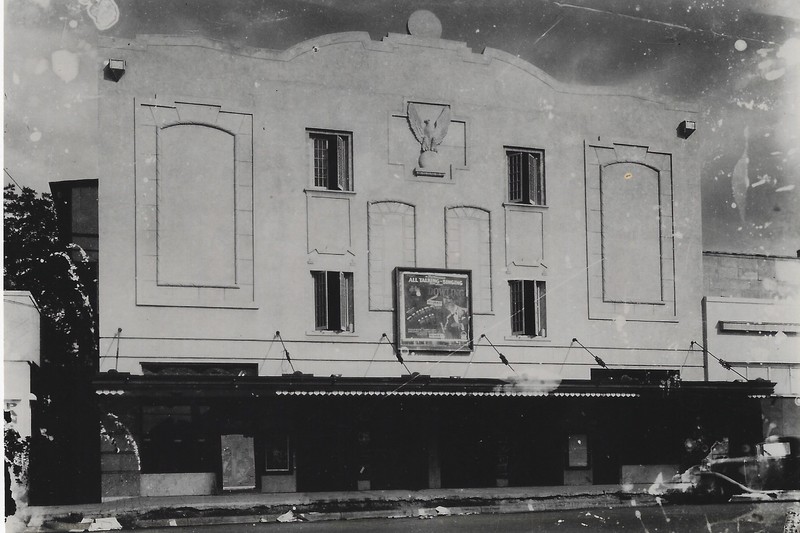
x=317 y=261
x=752 y=320
x=76 y=206
x=21 y=353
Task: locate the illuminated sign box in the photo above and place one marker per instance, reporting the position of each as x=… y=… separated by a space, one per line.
x=434 y=310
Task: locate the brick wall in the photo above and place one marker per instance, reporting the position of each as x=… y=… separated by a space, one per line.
x=750 y=276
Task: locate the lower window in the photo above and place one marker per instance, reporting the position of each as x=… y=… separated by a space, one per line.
x=528 y=308
x=333 y=300
x=277 y=453
x=177 y=439
x=577 y=451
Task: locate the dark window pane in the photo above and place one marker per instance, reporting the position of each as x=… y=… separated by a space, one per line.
x=321 y=168
x=334 y=298
x=517 y=309
x=320 y=300
x=527 y=307
x=526 y=177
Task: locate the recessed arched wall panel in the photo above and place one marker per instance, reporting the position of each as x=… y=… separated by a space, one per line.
x=194 y=205
x=392 y=243
x=196 y=209
x=629 y=233
x=469 y=247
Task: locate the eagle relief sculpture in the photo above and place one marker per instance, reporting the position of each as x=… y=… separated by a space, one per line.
x=429 y=136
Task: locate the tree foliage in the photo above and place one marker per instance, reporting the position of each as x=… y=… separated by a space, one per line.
x=37 y=260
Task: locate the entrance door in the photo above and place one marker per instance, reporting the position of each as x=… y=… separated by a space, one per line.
x=238 y=462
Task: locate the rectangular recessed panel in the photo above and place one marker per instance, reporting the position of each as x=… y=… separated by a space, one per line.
x=328 y=225
x=631 y=234
x=524 y=237
x=196 y=211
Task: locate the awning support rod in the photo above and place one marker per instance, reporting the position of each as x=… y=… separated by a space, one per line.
x=285 y=351
x=722 y=362
x=596 y=358
x=503 y=358
x=396 y=351
x=117 y=336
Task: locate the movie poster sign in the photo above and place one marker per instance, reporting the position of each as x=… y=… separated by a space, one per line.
x=434 y=310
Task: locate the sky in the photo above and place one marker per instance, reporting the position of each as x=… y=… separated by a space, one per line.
x=737 y=61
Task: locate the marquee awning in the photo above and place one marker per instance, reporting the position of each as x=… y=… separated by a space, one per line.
x=414 y=385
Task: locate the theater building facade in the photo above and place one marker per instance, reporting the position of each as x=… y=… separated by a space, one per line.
x=360 y=264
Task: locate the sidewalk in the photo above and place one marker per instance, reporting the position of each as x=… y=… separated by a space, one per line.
x=249 y=507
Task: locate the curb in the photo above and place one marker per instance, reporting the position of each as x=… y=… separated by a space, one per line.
x=404 y=509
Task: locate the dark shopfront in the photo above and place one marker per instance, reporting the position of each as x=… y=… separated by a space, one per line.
x=305 y=433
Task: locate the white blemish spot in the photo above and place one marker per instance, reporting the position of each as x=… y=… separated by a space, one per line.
x=104 y=13
x=619 y=322
x=740 y=45
x=73 y=24
x=785 y=188
x=774 y=74
x=66 y=150
x=733 y=205
x=41 y=66
x=36 y=136
x=65 y=65
x=15 y=78
x=790 y=51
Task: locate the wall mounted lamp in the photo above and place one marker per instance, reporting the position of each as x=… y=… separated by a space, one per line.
x=114 y=69
x=686 y=128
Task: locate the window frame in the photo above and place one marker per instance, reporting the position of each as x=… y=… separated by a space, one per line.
x=524 y=294
x=190 y=449
x=271 y=443
x=582 y=453
x=334 y=302
x=525 y=190
x=342 y=181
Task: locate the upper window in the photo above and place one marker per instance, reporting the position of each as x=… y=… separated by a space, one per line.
x=333 y=301
x=526 y=176
x=332 y=158
x=528 y=308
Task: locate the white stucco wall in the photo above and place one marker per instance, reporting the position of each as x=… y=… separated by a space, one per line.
x=758 y=337
x=21 y=344
x=348 y=82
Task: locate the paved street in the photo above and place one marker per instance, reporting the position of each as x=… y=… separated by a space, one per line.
x=739 y=518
